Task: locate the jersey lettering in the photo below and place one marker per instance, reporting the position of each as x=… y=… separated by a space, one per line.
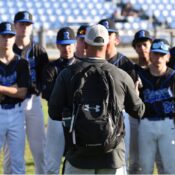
x=151 y=96
x=8 y=80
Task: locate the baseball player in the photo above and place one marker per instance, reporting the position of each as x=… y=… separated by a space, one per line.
x=14 y=82
x=37 y=59
x=156 y=128
x=55 y=143
x=141 y=44
x=80 y=46
x=121 y=61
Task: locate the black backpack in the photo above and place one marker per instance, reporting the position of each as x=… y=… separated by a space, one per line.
x=97 y=123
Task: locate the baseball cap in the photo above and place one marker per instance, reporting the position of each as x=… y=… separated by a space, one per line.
x=97 y=35
x=7 y=28
x=23 y=16
x=141 y=35
x=160 y=46
x=109 y=24
x=65 y=35
x=82 y=31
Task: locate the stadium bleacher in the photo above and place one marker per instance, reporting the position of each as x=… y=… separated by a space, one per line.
x=53 y=14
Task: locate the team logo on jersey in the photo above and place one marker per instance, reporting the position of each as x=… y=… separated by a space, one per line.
x=106 y=24
x=66 y=35
x=152 y=96
x=168 y=107
x=8 y=80
x=26 y=15
x=8 y=27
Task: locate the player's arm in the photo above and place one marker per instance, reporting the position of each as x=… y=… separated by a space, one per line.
x=57 y=99
x=13 y=91
x=133 y=104
x=42 y=60
x=19 y=89
x=48 y=79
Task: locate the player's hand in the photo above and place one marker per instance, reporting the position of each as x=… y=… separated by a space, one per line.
x=137 y=88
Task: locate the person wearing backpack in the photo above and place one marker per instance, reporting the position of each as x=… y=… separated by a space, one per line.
x=89 y=97
x=157 y=127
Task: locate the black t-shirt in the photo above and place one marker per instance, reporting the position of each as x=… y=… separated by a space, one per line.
x=51 y=72
x=16 y=72
x=37 y=58
x=122 y=62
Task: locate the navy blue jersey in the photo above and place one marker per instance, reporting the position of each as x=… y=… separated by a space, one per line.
x=125 y=64
x=37 y=59
x=14 y=73
x=158 y=93
x=51 y=72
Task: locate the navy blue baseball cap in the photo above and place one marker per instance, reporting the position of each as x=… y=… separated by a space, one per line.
x=23 y=16
x=141 y=35
x=7 y=28
x=82 y=31
x=160 y=46
x=109 y=24
x=65 y=36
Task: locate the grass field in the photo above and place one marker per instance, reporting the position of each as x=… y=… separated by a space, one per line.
x=28 y=156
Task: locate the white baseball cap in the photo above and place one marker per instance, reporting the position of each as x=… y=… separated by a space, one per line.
x=97 y=35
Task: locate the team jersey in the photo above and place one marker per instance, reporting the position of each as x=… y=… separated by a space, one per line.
x=14 y=73
x=122 y=62
x=51 y=72
x=158 y=93
x=37 y=59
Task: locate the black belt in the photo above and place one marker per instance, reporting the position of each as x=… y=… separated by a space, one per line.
x=10 y=106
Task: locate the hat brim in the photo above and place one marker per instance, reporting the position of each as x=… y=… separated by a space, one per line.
x=142 y=38
x=7 y=33
x=24 y=20
x=63 y=42
x=91 y=43
x=160 y=51
x=80 y=36
x=112 y=30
